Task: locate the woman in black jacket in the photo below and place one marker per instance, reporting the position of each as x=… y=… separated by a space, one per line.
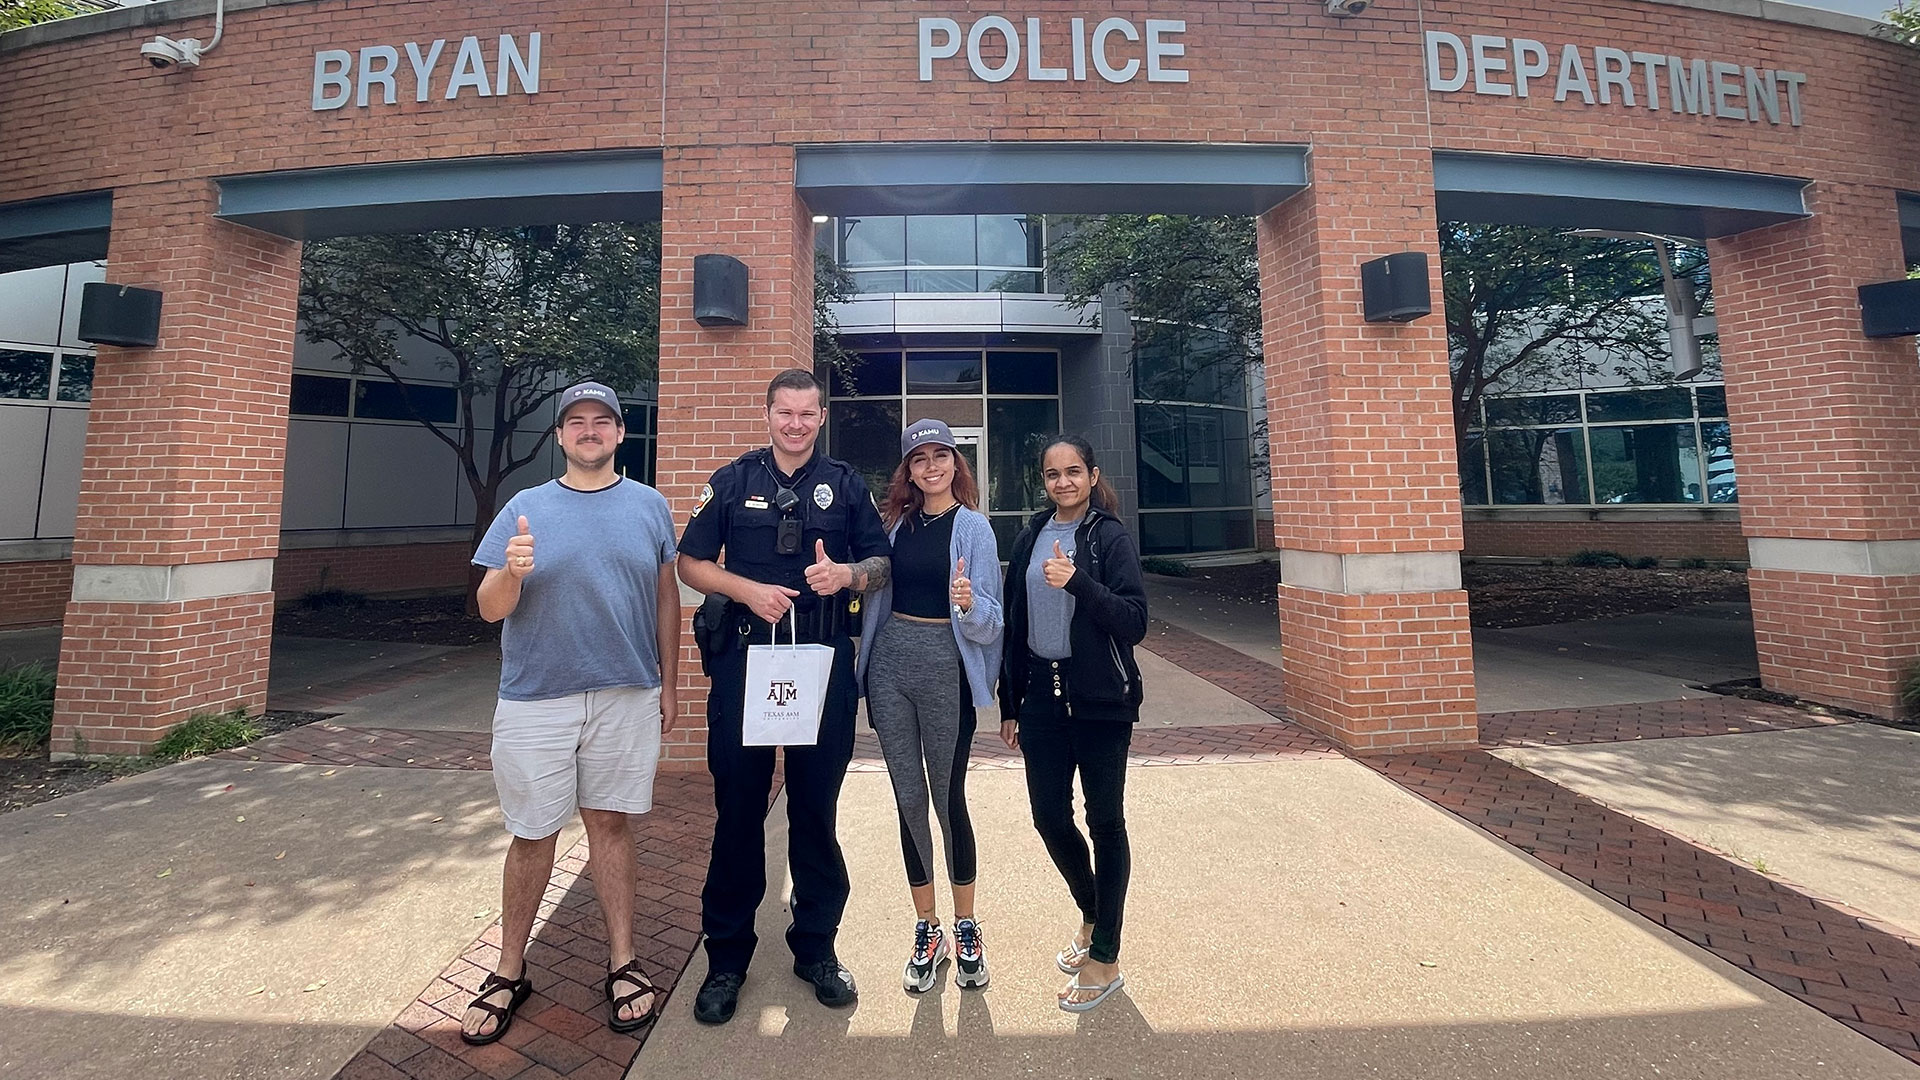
x=1070 y=695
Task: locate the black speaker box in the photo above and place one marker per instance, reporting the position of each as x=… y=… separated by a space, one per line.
x=719 y=290
x=1395 y=289
x=119 y=315
x=1890 y=308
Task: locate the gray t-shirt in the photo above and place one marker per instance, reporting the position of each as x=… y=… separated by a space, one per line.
x=586 y=618
x=1049 y=610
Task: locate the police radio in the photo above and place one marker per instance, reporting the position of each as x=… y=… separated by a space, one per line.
x=787 y=540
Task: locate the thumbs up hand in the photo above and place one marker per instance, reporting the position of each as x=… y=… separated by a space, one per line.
x=826 y=577
x=1058 y=569
x=960 y=592
x=520 y=551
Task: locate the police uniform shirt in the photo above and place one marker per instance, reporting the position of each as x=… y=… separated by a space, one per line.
x=738 y=511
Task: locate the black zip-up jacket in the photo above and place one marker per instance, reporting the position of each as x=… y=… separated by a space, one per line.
x=1109 y=619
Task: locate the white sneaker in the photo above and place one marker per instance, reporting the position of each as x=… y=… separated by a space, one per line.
x=929 y=951
x=970 y=956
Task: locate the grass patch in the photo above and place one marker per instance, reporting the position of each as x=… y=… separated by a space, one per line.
x=1156 y=564
x=206 y=733
x=26 y=705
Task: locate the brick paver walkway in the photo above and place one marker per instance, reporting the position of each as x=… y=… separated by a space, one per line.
x=324 y=743
x=1644 y=720
x=319 y=696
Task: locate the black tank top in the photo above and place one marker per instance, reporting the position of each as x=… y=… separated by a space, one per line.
x=922 y=570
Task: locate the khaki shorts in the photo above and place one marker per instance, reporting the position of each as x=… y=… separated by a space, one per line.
x=598 y=751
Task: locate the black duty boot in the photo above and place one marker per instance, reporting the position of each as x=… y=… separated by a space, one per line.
x=832 y=984
x=718 y=997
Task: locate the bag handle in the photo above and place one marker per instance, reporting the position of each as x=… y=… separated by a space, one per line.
x=793 y=631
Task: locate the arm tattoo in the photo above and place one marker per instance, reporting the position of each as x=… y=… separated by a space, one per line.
x=871 y=574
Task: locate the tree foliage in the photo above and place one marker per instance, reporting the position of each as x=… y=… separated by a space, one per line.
x=513 y=316
x=1905 y=23
x=15 y=14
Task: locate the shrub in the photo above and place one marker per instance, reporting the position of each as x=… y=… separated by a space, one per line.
x=1693 y=562
x=1156 y=564
x=1594 y=557
x=206 y=733
x=321 y=599
x=1910 y=692
x=26 y=705
x=1645 y=562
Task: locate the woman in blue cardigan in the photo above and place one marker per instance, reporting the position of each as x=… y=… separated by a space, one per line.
x=929 y=651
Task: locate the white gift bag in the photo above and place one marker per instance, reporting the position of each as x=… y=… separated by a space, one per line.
x=786 y=691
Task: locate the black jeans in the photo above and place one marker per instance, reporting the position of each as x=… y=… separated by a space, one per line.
x=742 y=783
x=1054 y=745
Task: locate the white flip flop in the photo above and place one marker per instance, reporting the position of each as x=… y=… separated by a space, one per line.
x=1106 y=991
x=1070 y=958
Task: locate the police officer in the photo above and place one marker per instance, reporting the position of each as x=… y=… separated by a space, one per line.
x=800 y=531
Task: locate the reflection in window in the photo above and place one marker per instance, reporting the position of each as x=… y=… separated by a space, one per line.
x=939 y=253
x=873 y=241
x=1721 y=484
x=1473 y=469
x=76 y=377
x=1651 y=464
x=866 y=435
x=875 y=374
x=1531 y=411
x=1713 y=400
x=1199 y=366
x=1668 y=404
x=319 y=395
x=1017 y=430
x=1021 y=372
x=383 y=400
x=943 y=372
x=25 y=375
x=1541 y=467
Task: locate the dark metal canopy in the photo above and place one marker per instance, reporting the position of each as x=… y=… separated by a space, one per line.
x=1511 y=189
x=55 y=231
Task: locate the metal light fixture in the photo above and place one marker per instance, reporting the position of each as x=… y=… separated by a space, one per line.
x=165 y=52
x=1682 y=307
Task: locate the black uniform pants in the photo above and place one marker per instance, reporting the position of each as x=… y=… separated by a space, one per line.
x=742 y=783
x=1056 y=746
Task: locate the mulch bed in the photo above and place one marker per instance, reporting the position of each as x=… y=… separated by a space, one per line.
x=1506 y=596
x=428 y=620
x=27 y=777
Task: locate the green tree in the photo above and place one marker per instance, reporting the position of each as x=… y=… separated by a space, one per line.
x=15 y=14
x=1905 y=23
x=516 y=315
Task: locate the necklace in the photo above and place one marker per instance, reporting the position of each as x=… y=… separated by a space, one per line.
x=928 y=519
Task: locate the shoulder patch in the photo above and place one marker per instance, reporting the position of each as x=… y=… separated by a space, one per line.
x=823 y=496
x=706 y=496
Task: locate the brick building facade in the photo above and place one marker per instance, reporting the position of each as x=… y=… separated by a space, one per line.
x=739 y=123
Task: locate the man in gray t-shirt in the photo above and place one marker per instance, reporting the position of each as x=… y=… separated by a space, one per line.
x=589 y=662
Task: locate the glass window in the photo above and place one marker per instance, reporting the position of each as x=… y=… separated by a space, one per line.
x=1006 y=529
x=879 y=281
x=1713 y=401
x=1669 y=404
x=961 y=412
x=76 y=377
x=1017 y=429
x=1473 y=470
x=1532 y=411
x=1162 y=433
x=25 y=375
x=940 y=240
x=638 y=418
x=319 y=395
x=866 y=435
x=1721 y=485
x=634 y=459
x=1011 y=372
x=1218 y=530
x=873 y=241
x=1008 y=239
x=1013 y=281
x=1538 y=467
x=1164 y=534
x=1657 y=463
x=943 y=372
x=943 y=281
x=382 y=400
x=1197 y=366
x=875 y=374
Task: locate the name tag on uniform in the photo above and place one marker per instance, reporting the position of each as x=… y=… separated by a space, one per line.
x=756 y=502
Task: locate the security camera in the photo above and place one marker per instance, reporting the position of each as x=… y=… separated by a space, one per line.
x=165 y=52
x=1343 y=8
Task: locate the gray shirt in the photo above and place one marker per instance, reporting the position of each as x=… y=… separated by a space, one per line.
x=1049 y=610
x=586 y=618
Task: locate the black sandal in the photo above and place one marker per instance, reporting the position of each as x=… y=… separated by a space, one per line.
x=522 y=990
x=630 y=973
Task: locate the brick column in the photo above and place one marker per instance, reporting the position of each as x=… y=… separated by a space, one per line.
x=736 y=201
x=179 y=515
x=1373 y=622
x=1827 y=449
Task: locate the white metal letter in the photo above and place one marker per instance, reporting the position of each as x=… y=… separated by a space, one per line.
x=1573 y=76
x=469 y=70
x=1104 y=66
x=1689 y=91
x=1158 y=50
x=979 y=64
x=1435 y=81
x=423 y=66
x=369 y=74
x=1525 y=68
x=526 y=70
x=331 y=88
x=1650 y=64
x=1724 y=89
x=1079 y=50
x=1035 y=71
x=1612 y=68
x=929 y=52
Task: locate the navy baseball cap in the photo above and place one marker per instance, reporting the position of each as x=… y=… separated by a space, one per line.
x=925 y=432
x=589 y=391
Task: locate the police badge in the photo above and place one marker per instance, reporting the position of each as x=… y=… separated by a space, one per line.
x=823 y=496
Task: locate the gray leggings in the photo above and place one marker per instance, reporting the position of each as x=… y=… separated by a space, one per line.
x=925 y=721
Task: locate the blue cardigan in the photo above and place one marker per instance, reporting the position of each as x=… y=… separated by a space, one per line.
x=978 y=632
